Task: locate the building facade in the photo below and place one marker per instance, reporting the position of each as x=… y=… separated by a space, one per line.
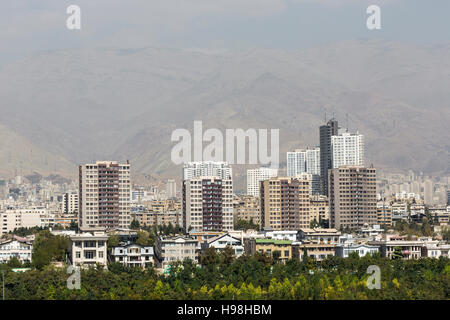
x=318 y=243
x=208 y=204
x=303 y=160
x=384 y=214
x=170 y=250
x=69 y=203
x=171 y=189
x=16 y=247
x=105 y=195
x=11 y=219
x=277 y=249
x=254 y=176
x=353 y=197
x=222 y=241
x=347 y=149
x=285 y=203
x=88 y=249
x=247 y=208
x=326 y=132
x=319 y=208
x=133 y=255
x=207 y=169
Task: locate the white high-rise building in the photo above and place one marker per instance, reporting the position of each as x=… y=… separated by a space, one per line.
x=347 y=149
x=69 y=203
x=171 y=189
x=303 y=160
x=428 y=192
x=254 y=176
x=105 y=195
x=207 y=169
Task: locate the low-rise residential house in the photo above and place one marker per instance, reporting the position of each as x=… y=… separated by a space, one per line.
x=319 y=235
x=133 y=255
x=441 y=214
x=88 y=249
x=399 y=211
x=203 y=236
x=281 y=234
x=417 y=212
x=124 y=235
x=371 y=232
x=344 y=250
x=317 y=243
x=410 y=249
x=221 y=241
x=348 y=244
x=170 y=250
x=16 y=247
x=272 y=247
x=245 y=234
x=434 y=248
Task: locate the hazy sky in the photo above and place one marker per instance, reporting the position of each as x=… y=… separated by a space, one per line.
x=27 y=26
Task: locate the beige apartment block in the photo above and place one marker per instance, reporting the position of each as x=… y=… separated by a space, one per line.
x=353 y=197
x=248 y=208
x=104 y=195
x=320 y=208
x=285 y=203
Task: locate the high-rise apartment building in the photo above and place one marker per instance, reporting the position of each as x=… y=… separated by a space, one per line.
x=208 y=204
x=285 y=203
x=171 y=189
x=353 y=197
x=326 y=132
x=347 y=149
x=428 y=192
x=303 y=160
x=206 y=169
x=314 y=181
x=105 y=195
x=254 y=176
x=69 y=203
x=384 y=213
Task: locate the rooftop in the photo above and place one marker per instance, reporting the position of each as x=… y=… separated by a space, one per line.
x=273 y=241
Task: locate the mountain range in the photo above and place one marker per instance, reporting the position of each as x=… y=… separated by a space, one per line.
x=62 y=108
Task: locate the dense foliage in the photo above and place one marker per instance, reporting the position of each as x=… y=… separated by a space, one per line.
x=257 y=277
x=245 y=225
x=48 y=248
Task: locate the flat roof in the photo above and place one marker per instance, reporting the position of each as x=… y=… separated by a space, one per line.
x=273 y=241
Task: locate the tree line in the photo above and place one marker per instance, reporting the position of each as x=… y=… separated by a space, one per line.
x=223 y=276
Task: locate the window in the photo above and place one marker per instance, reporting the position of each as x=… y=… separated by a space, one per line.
x=89 y=254
x=89 y=244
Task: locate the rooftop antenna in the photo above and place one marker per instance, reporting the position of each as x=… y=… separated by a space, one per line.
x=346 y=120
x=325 y=115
